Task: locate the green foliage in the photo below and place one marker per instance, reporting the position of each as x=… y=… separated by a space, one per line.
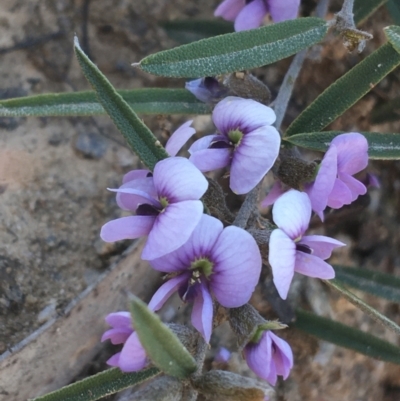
x=364 y=8
x=346 y=91
x=139 y=137
x=347 y=337
x=393 y=36
x=145 y=101
x=393 y=7
x=236 y=51
x=98 y=386
x=381 y=146
x=162 y=346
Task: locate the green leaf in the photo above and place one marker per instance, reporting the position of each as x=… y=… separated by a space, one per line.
x=237 y=51
x=360 y=304
x=379 y=284
x=393 y=36
x=144 y=101
x=347 y=337
x=381 y=146
x=98 y=386
x=393 y=7
x=187 y=31
x=162 y=346
x=346 y=91
x=364 y=8
x=139 y=137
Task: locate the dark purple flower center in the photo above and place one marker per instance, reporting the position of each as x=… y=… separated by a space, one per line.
x=220 y=145
x=304 y=248
x=147 y=210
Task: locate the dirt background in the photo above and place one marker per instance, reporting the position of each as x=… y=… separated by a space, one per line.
x=54 y=173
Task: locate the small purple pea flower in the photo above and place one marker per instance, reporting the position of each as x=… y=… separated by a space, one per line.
x=225 y=262
x=132 y=356
x=269 y=357
x=207 y=90
x=167 y=207
x=289 y=251
x=247 y=142
x=249 y=14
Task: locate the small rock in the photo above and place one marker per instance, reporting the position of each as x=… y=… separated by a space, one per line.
x=90 y=145
x=47 y=313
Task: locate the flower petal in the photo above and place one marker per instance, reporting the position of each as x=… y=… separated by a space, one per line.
x=282 y=257
x=247 y=115
x=322 y=246
x=355 y=187
x=129 y=198
x=340 y=195
x=179 y=138
x=237 y=267
x=172 y=228
x=202 y=312
x=352 y=152
x=134 y=175
x=321 y=188
x=177 y=179
x=119 y=319
x=274 y=193
x=205 y=142
x=114 y=360
x=313 y=266
x=211 y=159
x=283 y=355
x=133 y=356
x=117 y=336
x=292 y=213
x=130 y=227
x=229 y=9
x=251 y=16
x=282 y=10
x=253 y=158
x=166 y=290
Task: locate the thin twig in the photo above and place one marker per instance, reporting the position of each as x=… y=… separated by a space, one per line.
x=248 y=206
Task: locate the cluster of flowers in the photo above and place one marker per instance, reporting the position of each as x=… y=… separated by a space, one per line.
x=205 y=261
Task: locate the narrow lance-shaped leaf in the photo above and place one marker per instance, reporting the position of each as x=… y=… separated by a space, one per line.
x=364 y=8
x=380 y=284
x=393 y=35
x=359 y=303
x=389 y=111
x=144 y=101
x=236 y=51
x=393 y=7
x=98 y=386
x=381 y=146
x=354 y=84
x=162 y=346
x=347 y=337
x=139 y=137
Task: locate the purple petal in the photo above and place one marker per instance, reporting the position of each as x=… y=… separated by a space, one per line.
x=352 y=152
x=321 y=246
x=172 y=228
x=130 y=196
x=211 y=159
x=199 y=245
x=355 y=187
x=177 y=179
x=179 y=138
x=251 y=16
x=237 y=267
x=202 y=313
x=340 y=195
x=134 y=175
x=259 y=358
x=119 y=320
x=282 y=355
x=222 y=355
x=205 y=142
x=133 y=356
x=117 y=336
x=282 y=10
x=166 y=290
x=253 y=158
x=247 y=115
x=319 y=191
x=372 y=181
x=114 y=360
x=130 y=227
x=313 y=266
x=229 y=9
x=282 y=257
x=292 y=213
x=274 y=193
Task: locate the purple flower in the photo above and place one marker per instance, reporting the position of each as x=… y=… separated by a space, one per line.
x=167 y=207
x=226 y=262
x=270 y=357
x=132 y=356
x=289 y=251
x=207 y=89
x=249 y=14
x=247 y=142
